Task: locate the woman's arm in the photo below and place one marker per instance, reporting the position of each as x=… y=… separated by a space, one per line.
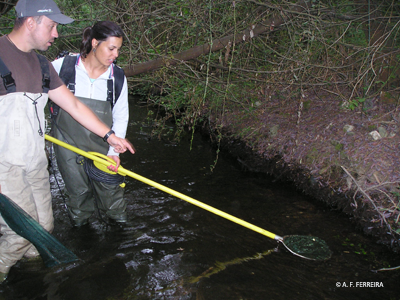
x=83 y=115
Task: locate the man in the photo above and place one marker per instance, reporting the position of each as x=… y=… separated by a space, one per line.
x=23 y=163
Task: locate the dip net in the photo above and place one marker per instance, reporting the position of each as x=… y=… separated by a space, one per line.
x=51 y=250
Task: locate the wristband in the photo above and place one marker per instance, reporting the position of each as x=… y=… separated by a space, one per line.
x=105 y=138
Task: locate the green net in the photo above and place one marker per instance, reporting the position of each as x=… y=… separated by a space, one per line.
x=51 y=250
x=309 y=247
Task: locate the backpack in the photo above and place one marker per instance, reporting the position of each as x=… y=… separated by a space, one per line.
x=67 y=75
x=9 y=82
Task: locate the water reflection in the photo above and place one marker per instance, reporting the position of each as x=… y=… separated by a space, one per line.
x=173 y=250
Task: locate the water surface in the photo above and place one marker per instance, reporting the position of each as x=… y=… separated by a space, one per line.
x=174 y=250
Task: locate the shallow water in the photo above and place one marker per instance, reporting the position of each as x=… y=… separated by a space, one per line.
x=172 y=249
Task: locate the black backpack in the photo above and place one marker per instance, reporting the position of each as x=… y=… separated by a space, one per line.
x=67 y=75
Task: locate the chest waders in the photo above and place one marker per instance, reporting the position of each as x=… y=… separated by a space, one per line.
x=23 y=162
x=28 y=217
x=83 y=192
x=23 y=169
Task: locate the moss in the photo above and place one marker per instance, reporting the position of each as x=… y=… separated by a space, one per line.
x=306 y=105
x=338 y=146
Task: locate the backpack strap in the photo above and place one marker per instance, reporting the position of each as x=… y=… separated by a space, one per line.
x=110 y=92
x=67 y=72
x=67 y=75
x=9 y=82
x=44 y=65
x=119 y=76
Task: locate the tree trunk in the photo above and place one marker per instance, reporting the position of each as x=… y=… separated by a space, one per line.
x=216 y=45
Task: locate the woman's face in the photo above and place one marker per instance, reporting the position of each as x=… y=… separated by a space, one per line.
x=107 y=51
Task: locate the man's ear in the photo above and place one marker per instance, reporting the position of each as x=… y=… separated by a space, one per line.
x=30 y=23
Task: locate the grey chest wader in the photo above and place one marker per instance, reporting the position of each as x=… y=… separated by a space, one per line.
x=81 y=202
x=73 y=133
x=24 y=178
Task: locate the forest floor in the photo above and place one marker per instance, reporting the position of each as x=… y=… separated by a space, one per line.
x=327 y=151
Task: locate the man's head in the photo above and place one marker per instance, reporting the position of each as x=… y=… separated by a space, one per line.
x=35 y=8
x=35 y=27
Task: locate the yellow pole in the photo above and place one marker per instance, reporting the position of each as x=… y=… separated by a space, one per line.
x=125 y=172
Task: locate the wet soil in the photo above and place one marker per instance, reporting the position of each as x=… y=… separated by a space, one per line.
x=326 y=150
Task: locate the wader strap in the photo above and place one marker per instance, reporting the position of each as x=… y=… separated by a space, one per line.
x=44 y=65
x=8 y=81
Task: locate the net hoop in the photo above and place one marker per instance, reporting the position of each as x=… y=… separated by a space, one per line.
x=308 y=247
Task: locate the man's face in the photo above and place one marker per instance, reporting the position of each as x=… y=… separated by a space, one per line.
x=44 y=33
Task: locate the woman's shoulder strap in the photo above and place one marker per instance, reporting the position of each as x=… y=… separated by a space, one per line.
x=67 y=72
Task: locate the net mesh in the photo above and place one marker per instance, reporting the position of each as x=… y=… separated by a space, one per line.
x=51 y=250
x=310 y=247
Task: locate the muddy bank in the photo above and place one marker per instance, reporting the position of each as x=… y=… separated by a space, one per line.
x=348 y=159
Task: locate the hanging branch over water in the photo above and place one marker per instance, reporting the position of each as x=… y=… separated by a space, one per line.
x=217 y=44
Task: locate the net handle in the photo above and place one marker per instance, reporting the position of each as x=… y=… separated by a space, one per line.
x=125 y=172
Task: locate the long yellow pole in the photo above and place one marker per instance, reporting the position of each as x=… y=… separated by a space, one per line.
x=125 y=172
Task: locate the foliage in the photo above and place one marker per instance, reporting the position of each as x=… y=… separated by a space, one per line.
x=353 y=103
x=348 y=48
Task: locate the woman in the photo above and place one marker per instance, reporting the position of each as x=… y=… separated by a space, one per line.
x=102 y=86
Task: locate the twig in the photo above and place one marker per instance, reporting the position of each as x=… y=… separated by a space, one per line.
x=367 y=196
x=387 y=269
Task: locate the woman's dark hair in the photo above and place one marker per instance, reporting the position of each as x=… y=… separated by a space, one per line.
x=100 y=31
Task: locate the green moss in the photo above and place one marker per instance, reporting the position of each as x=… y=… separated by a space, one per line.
x=306 y=105
x=338 y=146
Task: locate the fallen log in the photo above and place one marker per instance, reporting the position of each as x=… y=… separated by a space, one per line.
x=217 y=44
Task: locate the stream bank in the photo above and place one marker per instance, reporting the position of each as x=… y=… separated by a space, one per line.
x=348 y=159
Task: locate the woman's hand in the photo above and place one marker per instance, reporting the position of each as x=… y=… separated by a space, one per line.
x=117 y=161
x=120 y=145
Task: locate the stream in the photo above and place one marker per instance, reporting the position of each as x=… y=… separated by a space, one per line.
x=171 y=249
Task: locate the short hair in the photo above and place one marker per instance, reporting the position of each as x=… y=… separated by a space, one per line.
x=19 y=21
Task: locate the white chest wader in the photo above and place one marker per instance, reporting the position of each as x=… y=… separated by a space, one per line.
x=81 y=199
x=23 y=168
